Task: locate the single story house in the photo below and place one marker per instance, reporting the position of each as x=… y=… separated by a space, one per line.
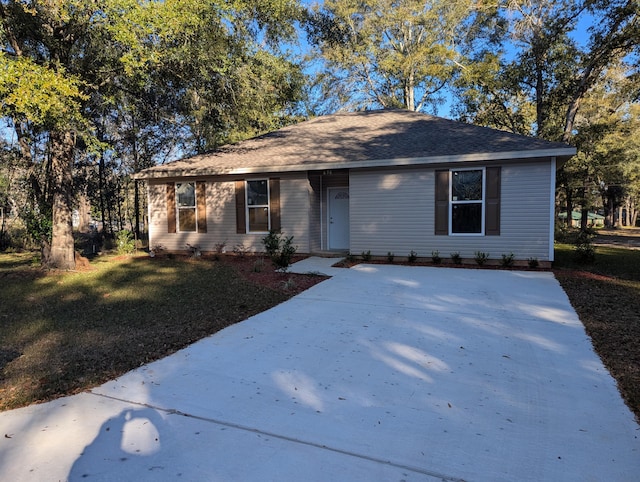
x=386 y=181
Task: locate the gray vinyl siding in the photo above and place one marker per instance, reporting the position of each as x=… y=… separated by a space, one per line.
x=393 y=211
x=221 y=216
x=315 y=212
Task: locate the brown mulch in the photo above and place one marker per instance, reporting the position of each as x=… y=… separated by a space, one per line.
x=260 y=270
x=602 y=303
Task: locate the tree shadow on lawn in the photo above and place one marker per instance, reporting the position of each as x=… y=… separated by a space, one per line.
x=76 y=330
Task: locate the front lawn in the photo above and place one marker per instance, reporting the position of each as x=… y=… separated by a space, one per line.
x=65 y=332
x=605 y=294
x=62 y=333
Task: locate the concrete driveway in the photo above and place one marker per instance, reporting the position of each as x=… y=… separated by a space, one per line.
x=380 y=373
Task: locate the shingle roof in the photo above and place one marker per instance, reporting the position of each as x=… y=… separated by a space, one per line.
x=362 y=139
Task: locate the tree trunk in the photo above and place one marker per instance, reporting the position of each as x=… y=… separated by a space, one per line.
x=136 y=208
x=584 y=218
x=61 y=255
x=610 y=213
x=569 y=207
x=84 y=213
x=619 y=222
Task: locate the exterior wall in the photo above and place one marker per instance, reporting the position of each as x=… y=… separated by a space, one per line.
x=315 y=212
x=393 y=211
x=221 y=216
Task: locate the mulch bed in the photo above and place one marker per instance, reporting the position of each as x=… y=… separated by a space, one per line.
x=260 y=270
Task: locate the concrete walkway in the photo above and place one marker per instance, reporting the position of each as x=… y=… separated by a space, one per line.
x=380 y=373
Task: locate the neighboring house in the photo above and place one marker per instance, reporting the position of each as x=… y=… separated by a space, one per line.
x=381 y=181
x=593 y=219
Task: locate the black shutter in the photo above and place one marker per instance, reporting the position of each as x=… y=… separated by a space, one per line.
x=492 y=202
x=442 y=203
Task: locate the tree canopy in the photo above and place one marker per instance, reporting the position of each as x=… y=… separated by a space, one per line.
x=388 y=53
x=122 y=84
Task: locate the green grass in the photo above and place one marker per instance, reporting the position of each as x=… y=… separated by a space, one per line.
x=605 y=295
x=65 y=332
x=610 y=261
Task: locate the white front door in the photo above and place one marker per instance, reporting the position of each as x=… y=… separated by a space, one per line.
x=338 y=223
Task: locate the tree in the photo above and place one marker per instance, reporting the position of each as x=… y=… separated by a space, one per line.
x=388 y=53
x=38 y=93
x=612 y=39
x=539 y=87
x=519 y=79
x=82 y=80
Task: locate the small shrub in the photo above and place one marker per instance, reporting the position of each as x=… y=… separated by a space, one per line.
x=125 y=244
x=220 y=248
x=584 y=248
x=350 y=258
x=435 y=257
x=533 y=262
x=194 y=250
x=456 y=258
x=390 y=257
x=289 y=284
x=413 y=256
x=507 y=260
x=279 y=248
x=366 y=256
x=258 y=265
x=241 y=250
x=271 y=242
x=481 y=257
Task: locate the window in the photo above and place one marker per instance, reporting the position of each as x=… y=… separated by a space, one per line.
x=467 y=201
x=258 y=205
x=186 y=199
x=187 y=207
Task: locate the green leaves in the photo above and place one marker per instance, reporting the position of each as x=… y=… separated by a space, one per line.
x=393 y=53
x=38 y=94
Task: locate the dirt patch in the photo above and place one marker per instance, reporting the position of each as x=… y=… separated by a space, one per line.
x=621 y=238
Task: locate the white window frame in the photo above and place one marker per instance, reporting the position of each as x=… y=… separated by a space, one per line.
x=194 y=207
x=253 y=206
x=482 y=202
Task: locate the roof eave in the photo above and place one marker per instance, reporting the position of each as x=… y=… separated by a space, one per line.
x=561 y=155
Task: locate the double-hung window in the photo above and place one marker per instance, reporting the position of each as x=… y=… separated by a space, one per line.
x=187 y=207
x=467 y=201
x=186 y=201
x=258 y=205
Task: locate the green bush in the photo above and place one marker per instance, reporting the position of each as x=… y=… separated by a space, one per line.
x=390 y=257
x=507 y=260
x=435 y=257
x=413 y=256
x=481 y=257
x=279 y=248
x=456 y=258
x=125 y=244
x=584 y=248
x=366 y=256
x=533 y=262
